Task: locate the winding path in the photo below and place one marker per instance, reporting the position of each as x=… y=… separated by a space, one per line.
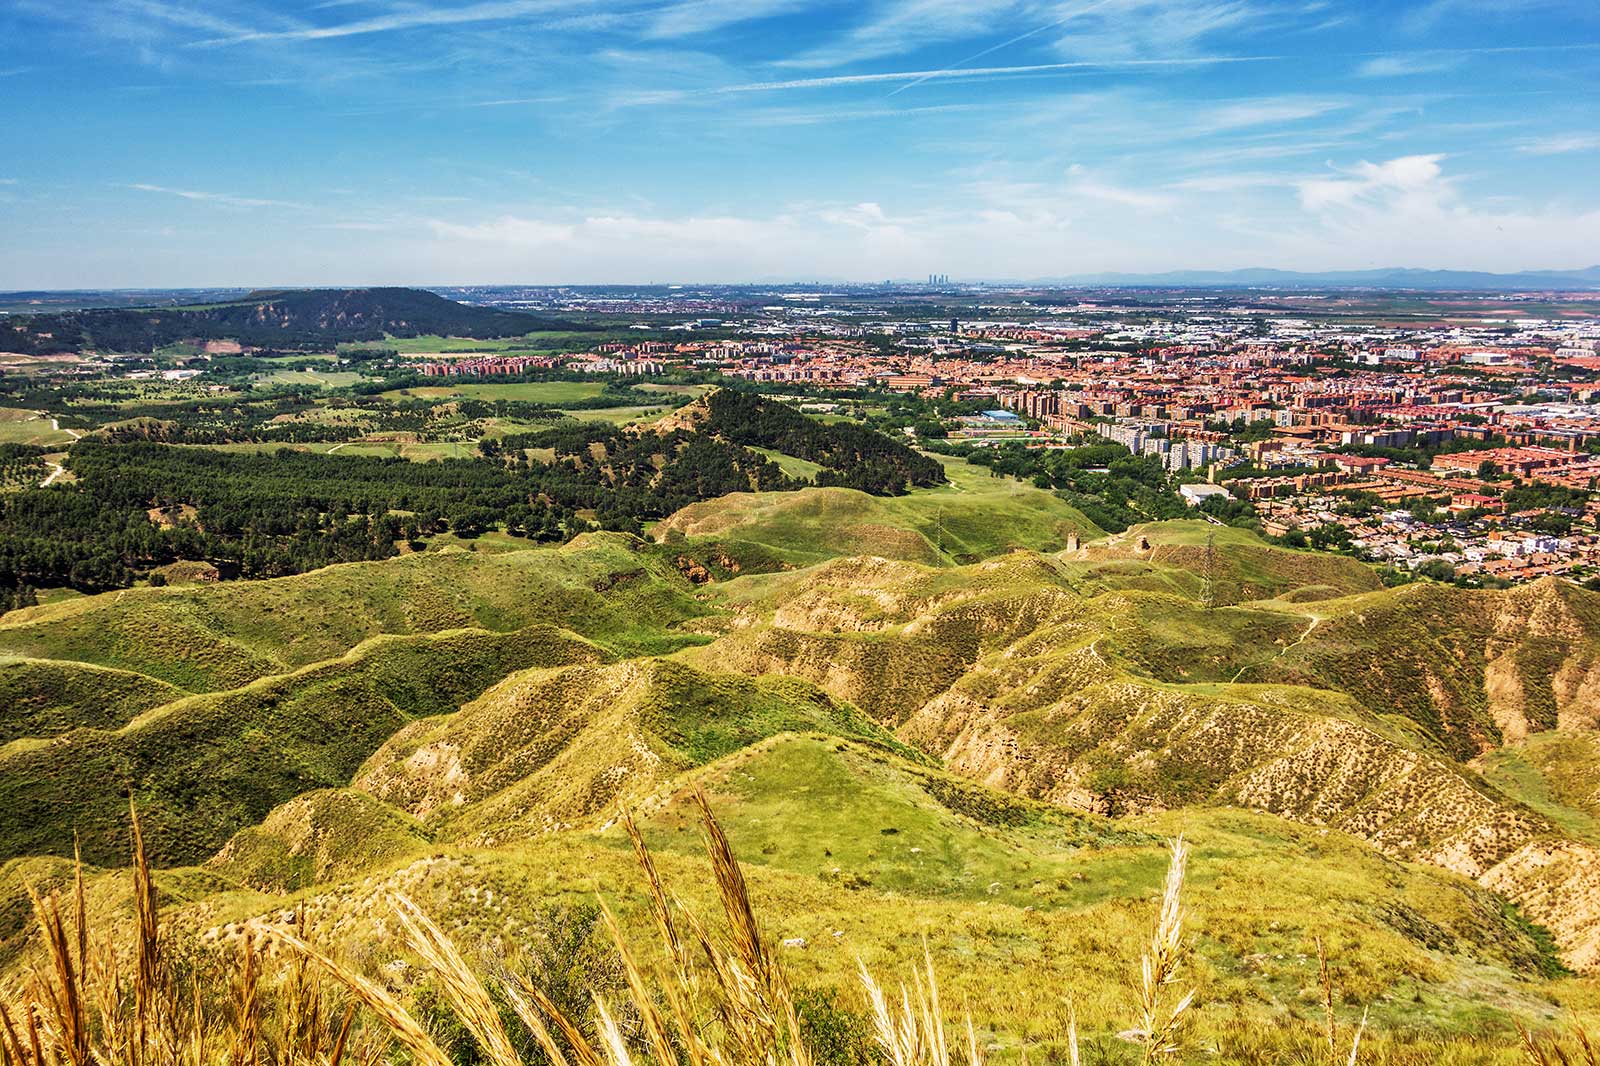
x=1316 y=620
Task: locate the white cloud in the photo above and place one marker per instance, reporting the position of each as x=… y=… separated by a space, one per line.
x=691 y=17
x=1409 y=212
x=1122 y=29
x=1561 y=144
x=906 y=25
x=1229 y=183
x=788 y=117
x=1407 y=65
x=1406 y=176
x=406 y=19
x=940 y=74
x=224 y=199
x=1083 y=185
x=1265 y=112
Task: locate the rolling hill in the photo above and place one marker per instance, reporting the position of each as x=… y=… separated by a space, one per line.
x=273 y=318
x=964 y=714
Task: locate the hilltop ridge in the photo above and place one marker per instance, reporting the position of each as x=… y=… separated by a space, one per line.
x=273 y=318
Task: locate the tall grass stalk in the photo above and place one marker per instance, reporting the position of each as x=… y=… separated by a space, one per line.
x=1160 y=1012
x=717 y=996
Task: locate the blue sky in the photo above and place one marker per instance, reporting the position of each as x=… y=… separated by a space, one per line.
x=181 y=142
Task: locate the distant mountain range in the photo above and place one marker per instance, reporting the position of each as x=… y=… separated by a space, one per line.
x=1385 y=278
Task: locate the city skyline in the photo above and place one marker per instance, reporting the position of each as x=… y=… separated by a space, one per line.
x=356 y=142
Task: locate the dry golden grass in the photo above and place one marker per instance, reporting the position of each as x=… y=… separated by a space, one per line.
x=715 y=997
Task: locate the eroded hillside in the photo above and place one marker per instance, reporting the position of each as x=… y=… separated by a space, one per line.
x=889 y=697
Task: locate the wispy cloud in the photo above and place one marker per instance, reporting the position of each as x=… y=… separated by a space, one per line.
x=405 y=19
x=942 y=74
x=1561 y=144
x=1408 y=65
x=1268 y=111
x=517 y=101
x=691 y=17
x=1230 y=183
x=223 y=199
x=180 y=15
x=906 y=25
x=1428 y=17
x=1128 y=28
x=1083 y=185
x=857 y=114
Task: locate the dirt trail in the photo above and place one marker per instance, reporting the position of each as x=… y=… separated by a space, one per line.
x=1316 y=620
x=55 y=426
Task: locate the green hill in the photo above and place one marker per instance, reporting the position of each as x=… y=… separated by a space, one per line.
x=277 y=318
x=318 y=838
x=604 y=586
x=926 y=718
x=205 y=766
x=549 y=749
x=44 y=698
x=960 y=524
x=856 y=855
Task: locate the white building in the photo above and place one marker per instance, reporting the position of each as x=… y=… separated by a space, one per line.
x=1195 y=495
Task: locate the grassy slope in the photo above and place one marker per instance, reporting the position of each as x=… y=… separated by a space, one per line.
x=1061 y=679
x=1097 y=671
x=318 y=838
x=44 y=698
x=1017 y=903
x=1554 y=773
x=959 y=523
x=552 y=748
x=222 y=636
x=1472 y=667
x=208 y=765
x=29 y=427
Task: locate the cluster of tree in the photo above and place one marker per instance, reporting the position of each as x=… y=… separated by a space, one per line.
x=12 y=599
x=21 y=464
x=614 y=393
x=289 y=320
x=1248 y=471
x=1242 y=431
x=1422 y=455
x=1327 y=537
x=853 y=456
x=1104 y=480
x=626 y=477
x=1536 y=494
x=65 y=536
x=138 y=504
x=306 y=417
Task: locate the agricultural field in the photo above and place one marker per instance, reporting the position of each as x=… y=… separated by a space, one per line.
x=309 y=375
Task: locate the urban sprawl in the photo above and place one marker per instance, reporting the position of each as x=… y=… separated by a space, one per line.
x=1402 y=444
